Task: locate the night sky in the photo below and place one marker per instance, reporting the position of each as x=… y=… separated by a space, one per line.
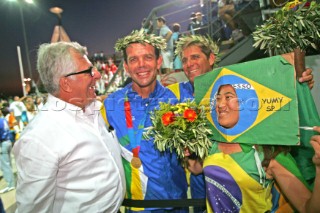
x=96 y=24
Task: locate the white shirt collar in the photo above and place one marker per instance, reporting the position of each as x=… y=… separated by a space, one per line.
x=56 y=104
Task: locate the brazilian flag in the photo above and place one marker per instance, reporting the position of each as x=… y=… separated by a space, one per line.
x=271 y=104
x=267 y=101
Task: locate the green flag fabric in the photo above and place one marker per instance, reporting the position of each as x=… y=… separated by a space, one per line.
x=308 y=116
x=267 y=101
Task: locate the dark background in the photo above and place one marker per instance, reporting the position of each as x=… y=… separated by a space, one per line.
x=96 y=24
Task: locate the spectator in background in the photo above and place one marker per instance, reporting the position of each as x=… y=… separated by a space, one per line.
x=111 y=67
x=39 y=103
x=6 y=146
x=240 y=16
x=18 y=108
x=100 y=65
x=31 y=109
x=167 y=54
x=248 y=15
x=101 y=83
x=192 y=23
x=99 y=56
x=12 y=122
x=110 y=76
x=199 y=27
x=147 y=27
x=227 y=13
x=66 y=160
x=211 y=8
x=177 y=64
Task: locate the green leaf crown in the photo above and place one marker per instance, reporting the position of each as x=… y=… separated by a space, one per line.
x=186 y=41
x=139 y=36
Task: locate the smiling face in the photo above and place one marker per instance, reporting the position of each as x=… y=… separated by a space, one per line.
x=195 y=62
x=82 y=86
x=227 y=106
x=142 y=65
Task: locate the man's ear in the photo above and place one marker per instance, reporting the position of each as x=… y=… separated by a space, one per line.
x=65 y=85
x=212 y=59
x=159 y=62
x=125 y=66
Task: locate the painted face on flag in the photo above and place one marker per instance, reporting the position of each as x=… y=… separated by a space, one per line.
x=234 y=105
x=227 y=106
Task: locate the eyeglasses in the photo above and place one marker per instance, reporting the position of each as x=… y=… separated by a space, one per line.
x=89 y=71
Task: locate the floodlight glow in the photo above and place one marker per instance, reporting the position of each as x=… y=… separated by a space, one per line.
x=29 y=1
x=56 y=10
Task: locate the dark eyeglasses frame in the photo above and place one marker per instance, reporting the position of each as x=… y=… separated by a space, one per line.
x=89 y=71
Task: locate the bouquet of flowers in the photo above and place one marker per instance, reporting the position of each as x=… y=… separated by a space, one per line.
x=180 y=127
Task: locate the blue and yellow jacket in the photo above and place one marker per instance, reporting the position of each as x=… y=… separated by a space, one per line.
x=161 y=175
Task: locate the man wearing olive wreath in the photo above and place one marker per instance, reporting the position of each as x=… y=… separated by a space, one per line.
x=150 y=174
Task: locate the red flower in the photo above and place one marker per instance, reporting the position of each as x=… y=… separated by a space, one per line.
x=307 y=4
x=190 y=115
x=167 y=118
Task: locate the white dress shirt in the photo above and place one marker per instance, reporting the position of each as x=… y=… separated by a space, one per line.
x=67 y=161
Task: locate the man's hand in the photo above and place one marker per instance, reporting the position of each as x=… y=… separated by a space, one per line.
x=193 y=165
x=307 y=77
x=315 y=142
